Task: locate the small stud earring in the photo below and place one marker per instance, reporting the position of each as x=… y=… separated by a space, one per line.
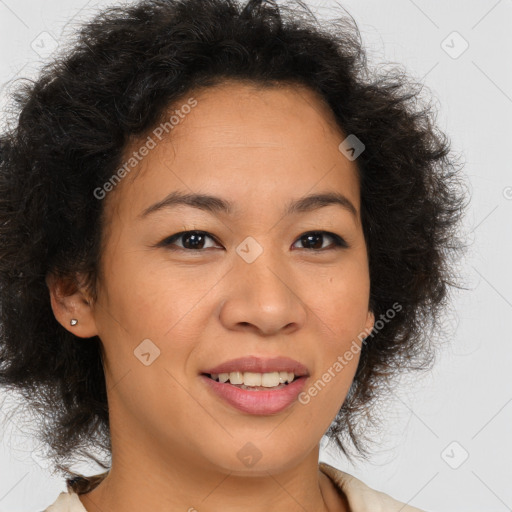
x=74 y=321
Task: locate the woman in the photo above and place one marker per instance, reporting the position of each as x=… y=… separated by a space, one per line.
x=222 y=237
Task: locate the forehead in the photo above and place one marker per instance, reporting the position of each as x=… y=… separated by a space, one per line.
x=244 y=113
x=244 y=142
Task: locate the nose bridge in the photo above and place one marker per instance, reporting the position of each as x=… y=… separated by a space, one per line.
x=261 y=261
x=262 y=266
x=261 y=290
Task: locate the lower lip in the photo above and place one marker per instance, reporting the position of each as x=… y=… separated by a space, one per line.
x=258 y=401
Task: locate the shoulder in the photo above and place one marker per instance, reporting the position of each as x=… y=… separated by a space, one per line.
x=66 y=502
x=69 y=501
x=361 y=497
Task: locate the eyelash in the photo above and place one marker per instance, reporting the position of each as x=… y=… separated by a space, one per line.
x=338 y=241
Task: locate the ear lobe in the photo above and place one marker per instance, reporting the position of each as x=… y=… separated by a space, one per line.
x=370 y=321
x=70 y=302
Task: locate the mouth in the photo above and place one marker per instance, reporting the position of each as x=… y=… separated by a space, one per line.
x=255 y=385
x=253 y=381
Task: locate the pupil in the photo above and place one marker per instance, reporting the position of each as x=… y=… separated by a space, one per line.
x=196 y=239
x=310 y=237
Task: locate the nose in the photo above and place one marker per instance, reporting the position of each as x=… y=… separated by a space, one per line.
x=261 y=296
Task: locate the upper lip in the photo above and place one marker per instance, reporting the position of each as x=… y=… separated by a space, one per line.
x=261 y=365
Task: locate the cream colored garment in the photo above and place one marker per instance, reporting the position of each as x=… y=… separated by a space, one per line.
x=360 y=497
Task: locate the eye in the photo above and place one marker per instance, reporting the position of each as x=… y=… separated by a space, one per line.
x=191 y=240
x=314 y=239
x=196 y=241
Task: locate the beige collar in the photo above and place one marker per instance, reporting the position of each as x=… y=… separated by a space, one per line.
x=361 y=497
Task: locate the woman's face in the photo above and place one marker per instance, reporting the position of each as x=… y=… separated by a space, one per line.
x=251 y=285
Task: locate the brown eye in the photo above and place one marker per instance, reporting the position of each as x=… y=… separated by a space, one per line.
x=314 y=240
x=198 y=241
x=190 y=240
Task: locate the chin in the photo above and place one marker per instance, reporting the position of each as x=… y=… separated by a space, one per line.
x=249 y=456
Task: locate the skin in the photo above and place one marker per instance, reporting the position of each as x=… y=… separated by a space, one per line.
x=174 y=442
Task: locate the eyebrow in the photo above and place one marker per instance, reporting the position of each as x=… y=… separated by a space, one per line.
x=213 y=204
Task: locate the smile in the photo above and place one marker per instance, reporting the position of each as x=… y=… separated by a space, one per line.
x=256 y=400
x=255 y=380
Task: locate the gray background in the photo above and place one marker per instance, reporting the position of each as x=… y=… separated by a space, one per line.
x=464 y=407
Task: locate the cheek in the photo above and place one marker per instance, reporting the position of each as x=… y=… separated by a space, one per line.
x=143 y=309
x=337 y=354
x=147 y=296
x=340 y=301
x=323 y=396
x=341 y=310
x=152 y=300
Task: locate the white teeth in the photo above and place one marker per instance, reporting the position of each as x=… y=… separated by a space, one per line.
x=236 y=378
x=252 y=379
x=267 y=380
x=270 y=380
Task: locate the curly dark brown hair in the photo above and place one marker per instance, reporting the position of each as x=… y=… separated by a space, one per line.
x=114 y=83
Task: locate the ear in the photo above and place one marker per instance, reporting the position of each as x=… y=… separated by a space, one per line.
x=69 y=301
x=370 y=321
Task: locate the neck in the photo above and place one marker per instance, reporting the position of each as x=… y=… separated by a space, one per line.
x=154 y=484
